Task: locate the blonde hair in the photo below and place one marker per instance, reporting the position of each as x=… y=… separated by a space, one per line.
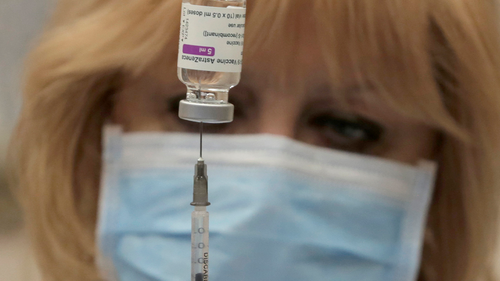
x=435 y=60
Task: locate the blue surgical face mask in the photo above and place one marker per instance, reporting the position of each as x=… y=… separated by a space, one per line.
x=281 y=210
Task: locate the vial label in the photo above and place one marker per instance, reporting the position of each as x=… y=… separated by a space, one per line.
x=211 y=38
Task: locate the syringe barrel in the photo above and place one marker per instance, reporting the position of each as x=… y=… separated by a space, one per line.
x=199 y=244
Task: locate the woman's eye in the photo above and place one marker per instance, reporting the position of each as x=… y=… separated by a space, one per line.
x=350 y=133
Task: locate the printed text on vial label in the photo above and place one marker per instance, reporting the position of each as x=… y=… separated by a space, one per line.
x=211 y=38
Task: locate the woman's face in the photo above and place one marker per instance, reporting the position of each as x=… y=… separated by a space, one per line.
x=307 y=108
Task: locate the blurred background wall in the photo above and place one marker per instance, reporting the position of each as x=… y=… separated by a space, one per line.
x=20 y=23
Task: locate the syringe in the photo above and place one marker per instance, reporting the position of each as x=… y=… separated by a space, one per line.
x=199 y=220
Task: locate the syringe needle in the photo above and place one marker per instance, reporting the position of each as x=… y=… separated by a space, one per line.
x=201 y=140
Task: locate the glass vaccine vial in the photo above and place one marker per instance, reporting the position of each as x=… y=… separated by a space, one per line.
x=210 y=57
